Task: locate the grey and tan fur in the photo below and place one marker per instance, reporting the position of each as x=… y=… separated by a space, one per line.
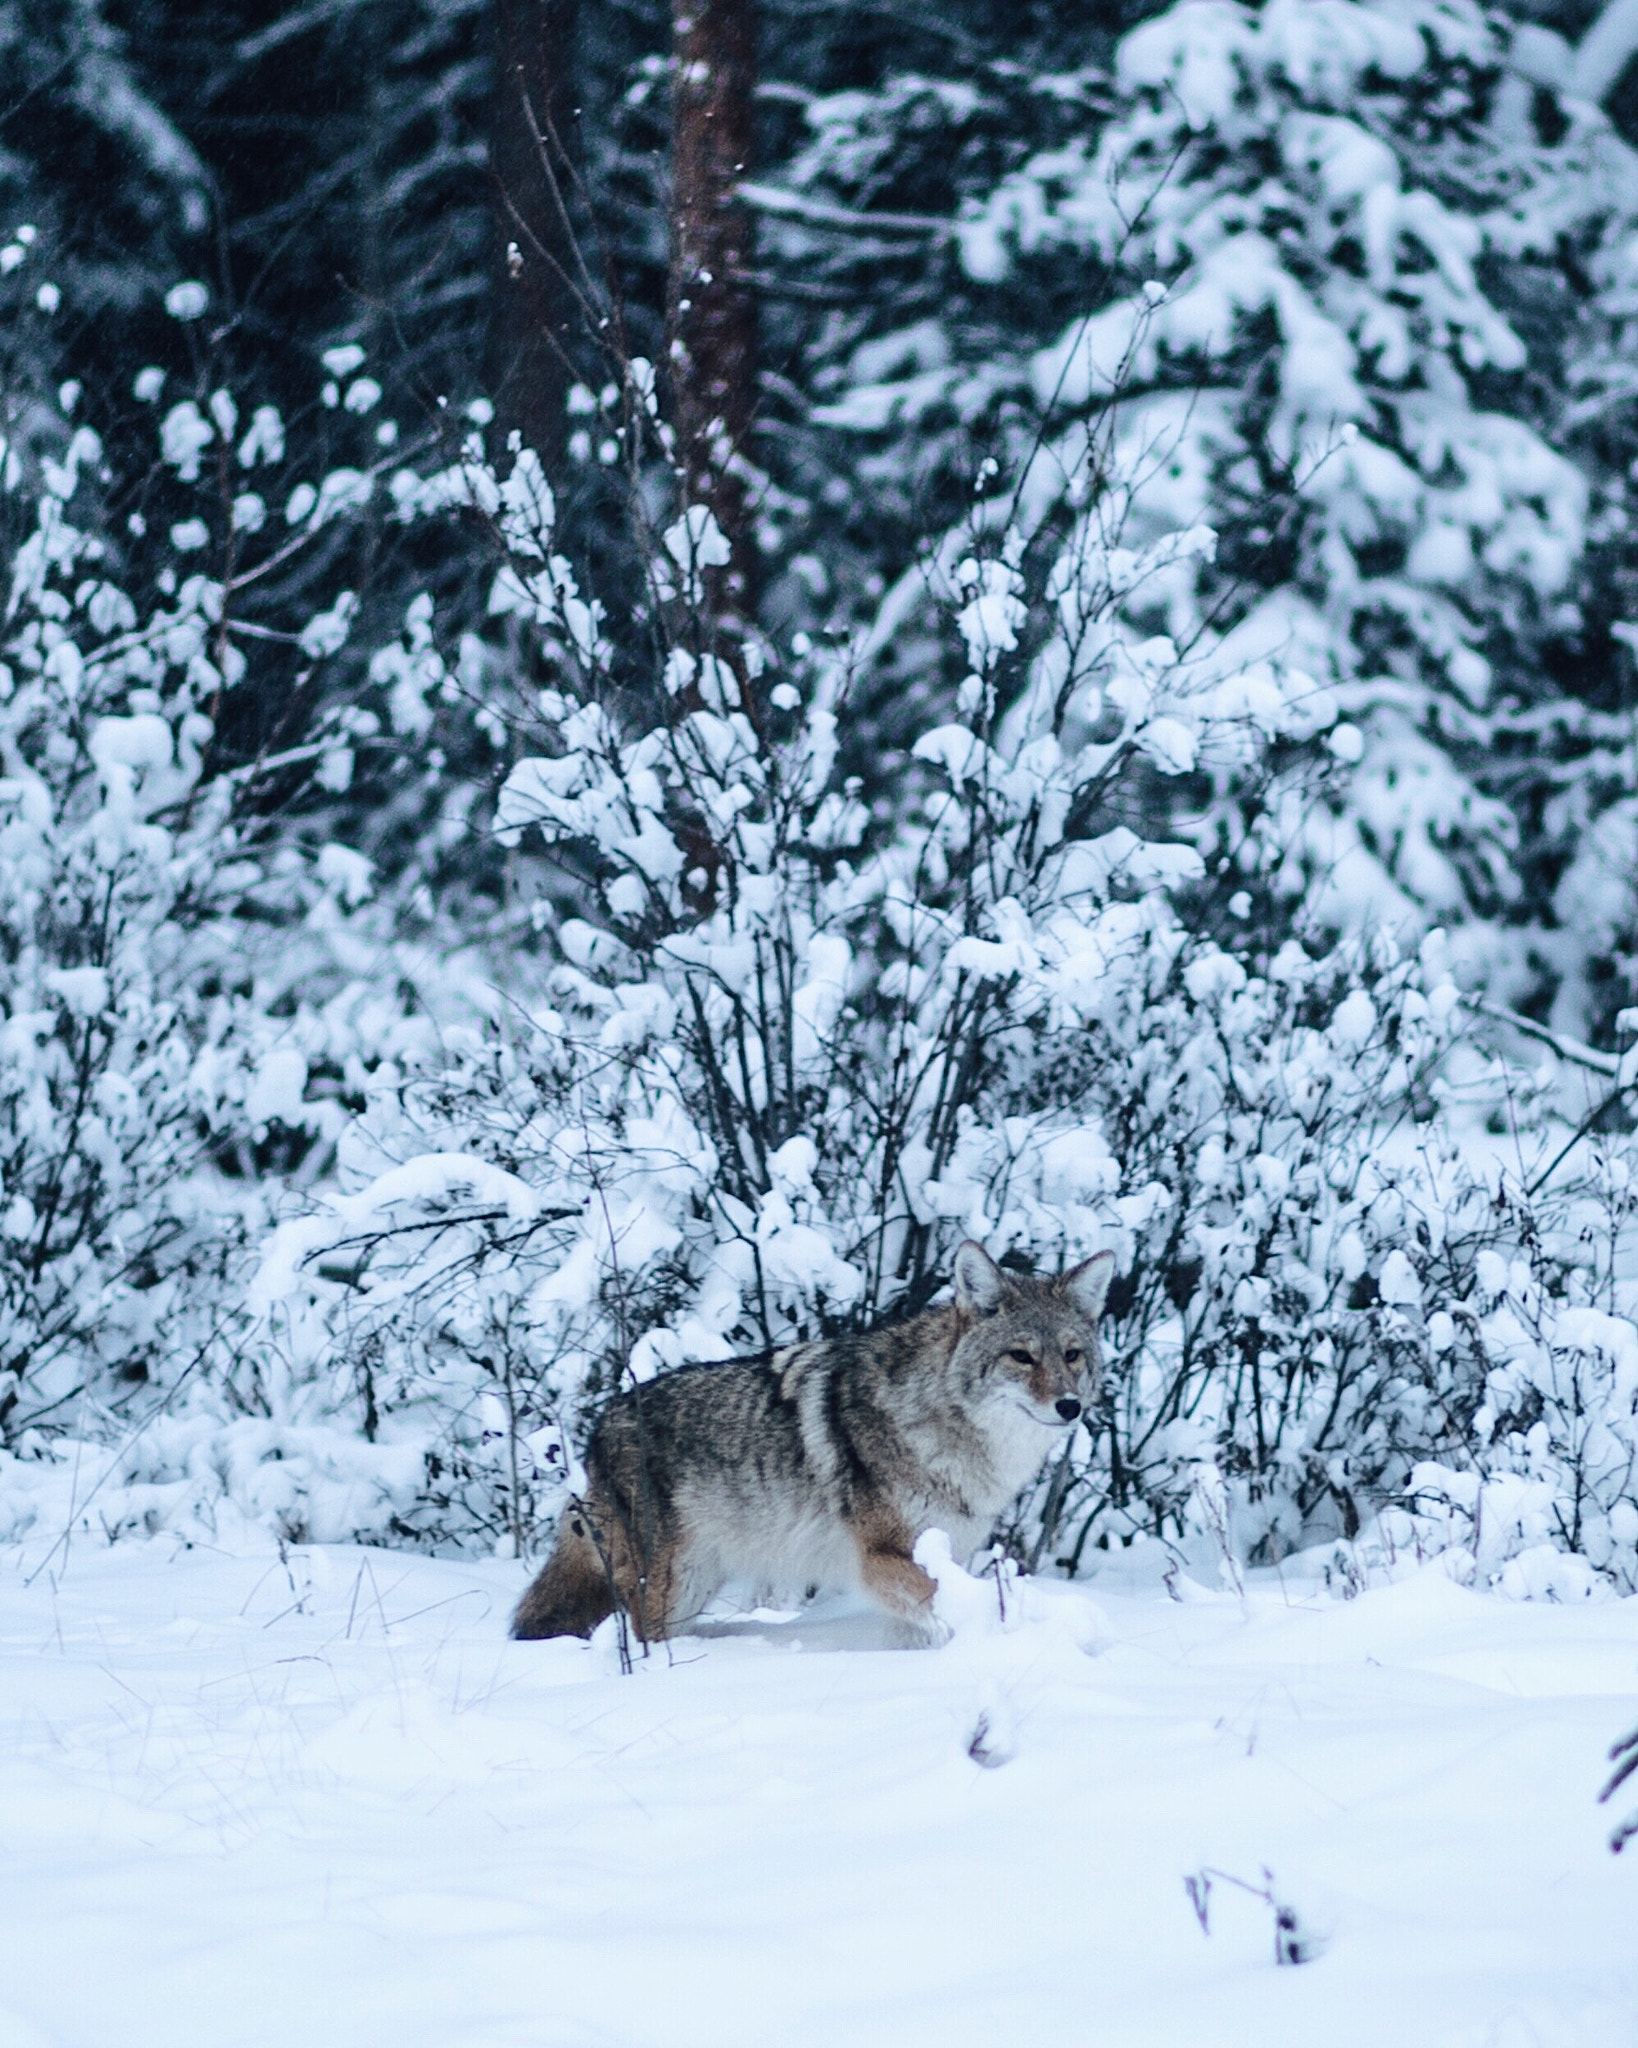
x=823 y=1465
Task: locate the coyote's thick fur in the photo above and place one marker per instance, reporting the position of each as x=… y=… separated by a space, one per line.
x=823 y=1465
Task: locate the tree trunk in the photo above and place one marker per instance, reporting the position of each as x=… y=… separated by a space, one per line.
x=710 y=311
x=534 y=306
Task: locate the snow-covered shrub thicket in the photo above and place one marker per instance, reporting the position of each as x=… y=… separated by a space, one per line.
x=782 y=1054
x=100 y=1095
x=192 y=990
x=772 y=1040
x=1546 y=1502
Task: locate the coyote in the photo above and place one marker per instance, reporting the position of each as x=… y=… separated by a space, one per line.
x=823 y=1464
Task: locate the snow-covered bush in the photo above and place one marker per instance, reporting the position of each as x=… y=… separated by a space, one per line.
x=784 y=1053
x=114 y=1070
x=188 y=994
x=1391 y=1322
x=1548 y=1508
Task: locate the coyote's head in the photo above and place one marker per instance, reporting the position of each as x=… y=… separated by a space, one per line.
x=1033 y=1338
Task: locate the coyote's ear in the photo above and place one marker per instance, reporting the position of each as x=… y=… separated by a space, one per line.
x=1087 y=1284
x=977 y=1280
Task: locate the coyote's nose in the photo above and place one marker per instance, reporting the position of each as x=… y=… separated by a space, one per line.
x=1068 y=1407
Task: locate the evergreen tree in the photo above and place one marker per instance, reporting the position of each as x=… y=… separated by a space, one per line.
x=1334 y=268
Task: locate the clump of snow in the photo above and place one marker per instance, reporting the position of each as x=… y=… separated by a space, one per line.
x=187 y=301
x=277 y=1088
x=83 y=989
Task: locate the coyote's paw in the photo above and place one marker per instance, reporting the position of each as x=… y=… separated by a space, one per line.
x=928 y=1631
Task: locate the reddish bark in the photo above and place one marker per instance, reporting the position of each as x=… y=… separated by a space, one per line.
x=710 y=311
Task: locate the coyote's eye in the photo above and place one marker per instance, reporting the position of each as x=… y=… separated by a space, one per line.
x=1071 y=1355
x=1021 y=1357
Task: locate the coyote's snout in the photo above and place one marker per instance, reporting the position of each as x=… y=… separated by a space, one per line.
x=823 y=1465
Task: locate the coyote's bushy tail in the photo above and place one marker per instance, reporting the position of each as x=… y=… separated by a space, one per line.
x=572 y=1593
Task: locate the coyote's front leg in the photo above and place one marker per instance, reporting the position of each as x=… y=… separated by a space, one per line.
x=892 y=1578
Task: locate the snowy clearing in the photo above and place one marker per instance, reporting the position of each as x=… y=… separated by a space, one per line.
x=248 y=1802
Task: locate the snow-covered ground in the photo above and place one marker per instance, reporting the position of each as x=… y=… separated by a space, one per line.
x=322 y=1803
